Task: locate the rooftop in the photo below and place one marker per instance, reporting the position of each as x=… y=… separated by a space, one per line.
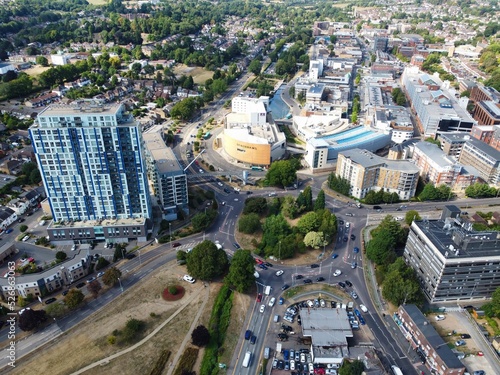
x=97 y=223
x=368 y=159
x=162 y=155
x=434 y=153
x=484 y=148
x=326 y=327
x=86 y=107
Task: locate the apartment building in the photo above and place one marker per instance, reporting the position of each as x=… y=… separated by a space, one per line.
x=436 y=108
x=484 y=158
x=481 y=93
x=452 y=262
x=48 y=281
x=427 y=342
x=487 y=113
x=90 y=156
x=452 y=143
x=167 y=175
x=437 y=167
x=366 y=171
x=483 y=133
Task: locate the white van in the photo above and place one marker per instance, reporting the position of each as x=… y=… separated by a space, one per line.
x=276 y=318
x=267 y=291
x=42 y=223
x=267 y=352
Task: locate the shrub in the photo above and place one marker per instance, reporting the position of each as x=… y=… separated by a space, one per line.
x=172 y=290
x=111 y=340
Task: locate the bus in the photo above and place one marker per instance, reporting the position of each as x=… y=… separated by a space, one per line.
x=246 y=360
x=256 y=168
x=396 y=370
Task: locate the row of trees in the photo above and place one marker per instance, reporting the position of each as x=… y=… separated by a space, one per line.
x=339 y=184
x=381 y=196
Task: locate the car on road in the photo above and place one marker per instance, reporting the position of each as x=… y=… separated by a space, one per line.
x=248 y=334
x=341 y=222
x=176 y=244
x=335 y=256
x=362 y=320
x=20 y=220
x=262 y=266
x=272 y=301
x=460 y=343
x=337 y=273
x=258 y=261
x=354 y=295
x=349 y=284
x=479 y=372
x=200 y=170
x=356 y=250
x=354 y=265
x=364 y=309
x=267 y=264
x=259 y=297
x=314 y=265
x=10 y=230
x=262 y=308
x=298 y=277
x=220 y=184
x=279 y=273
x=65 y=292
x=100 y=274
x=236 y=245
x=50 y=300
x=345 y=239
x=80 y=285
x=465 y=336
x=130 y=256
x=285 y=287
x=189 y=279
x=341 y=284
x=281 y=301
x=440 y=317
x=353 y=237
x=347 y=224
x=253 y=339
x=90 y=280
x=307 y=281
x=319 y=279
x=357 y=313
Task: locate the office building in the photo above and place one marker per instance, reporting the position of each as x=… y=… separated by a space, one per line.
x=481 y=93
x=436 y=107
x=366 y=171
x=427 y=342
x=380 y=43
x=168 y=178
x=484 y=158
x=483 y=133
x=487 y=113
x=90 y=156
x=451 y=261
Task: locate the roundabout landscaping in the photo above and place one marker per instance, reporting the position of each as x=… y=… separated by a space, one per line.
x=173 y=293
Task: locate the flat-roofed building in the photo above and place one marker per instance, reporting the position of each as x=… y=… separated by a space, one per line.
x=329 y=330
x=451 y=261
x=487 y=113
x=483 y=133
x=167 y=175
x=481 y=93
x=452 y=143
x=484 y=158
x=423 y=338
x=366 y=171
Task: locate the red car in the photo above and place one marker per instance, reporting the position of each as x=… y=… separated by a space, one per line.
x=258 y=261
x=259 y=297
x=176 y=244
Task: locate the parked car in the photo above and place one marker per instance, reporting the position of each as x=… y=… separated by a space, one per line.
x=337 y=273
x=279 y=273
x=236 y=245
x=440 y=317
x=189 y=279
x=460 y=343
x=465 y=336
x=263 y=266
x=354 y=295
x=272 y=301
x=314 y=265
x=354 y=265
x=341 y=284
x=307 y=281
x=349 y=284
x=50 y=300
x=285 y=287
x=176 y=244
x=356 y=250
x=259 y=297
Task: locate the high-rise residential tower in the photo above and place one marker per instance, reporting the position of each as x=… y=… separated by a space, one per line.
x=90 y=156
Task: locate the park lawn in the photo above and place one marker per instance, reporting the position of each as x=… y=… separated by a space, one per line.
x=63 y=356
x=200 y=75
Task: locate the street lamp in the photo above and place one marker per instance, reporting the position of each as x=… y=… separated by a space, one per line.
x=170 y=230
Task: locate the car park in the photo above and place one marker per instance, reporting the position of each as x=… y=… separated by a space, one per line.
x=275 y=363
x=286 y=354
x=272 y=301
x=262 y=308
x=287 y=365
x=189 y=279
x=307 y=281
x=292 y=364
x=281 y=364
x=279 y=273
x=348 y=283
x=302 y=357
x=337 y=273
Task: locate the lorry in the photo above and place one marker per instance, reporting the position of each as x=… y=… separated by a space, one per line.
x=278 y=347
x=246 y=360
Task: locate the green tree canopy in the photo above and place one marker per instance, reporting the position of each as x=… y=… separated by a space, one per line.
x=411 y=216
x=393 y=229
x=282 y=173
x=339 y=184
x=255 y=67
x=256 y=205
x=249 y=223
x=380 y=249
x=308 y=222
x=314 y=239
x=479 y=190
x=289 y=207
x=400 y=285
x=492 y=308
x=241 y=271
x=73 y=298
x=111 y=276
x=319 y=203
x=206 y=262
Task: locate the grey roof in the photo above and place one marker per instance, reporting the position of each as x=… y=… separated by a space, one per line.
x=435 y=153
x=483 y=147
x=368 y=159
x=455 y=136
x=326 y=327
x=438 y=344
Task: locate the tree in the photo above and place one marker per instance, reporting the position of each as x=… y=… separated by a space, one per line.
x=314 y=239
x=241 y=271
x=289 y=207
x=355 y=367
x=94 y=287
x=309 y=222
x=256 y=205
x=319 y=204
x=30 y=319
x=200 y=336
x=479 y=190
x=111 y=276
x=492 y=308
x=400 y=285
x=249 y=223
x=255 y=67
x=380 y=249
x=411 y=216
x=101 y=263
x=41 y=60
x=56 y=310
x=281 y=173
x=393 y=229
x=73 y=298
x=339 y=184
x=23 y=228
x=202 y=220
x=206 y=261
x=61 y=255
x=308 y=198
